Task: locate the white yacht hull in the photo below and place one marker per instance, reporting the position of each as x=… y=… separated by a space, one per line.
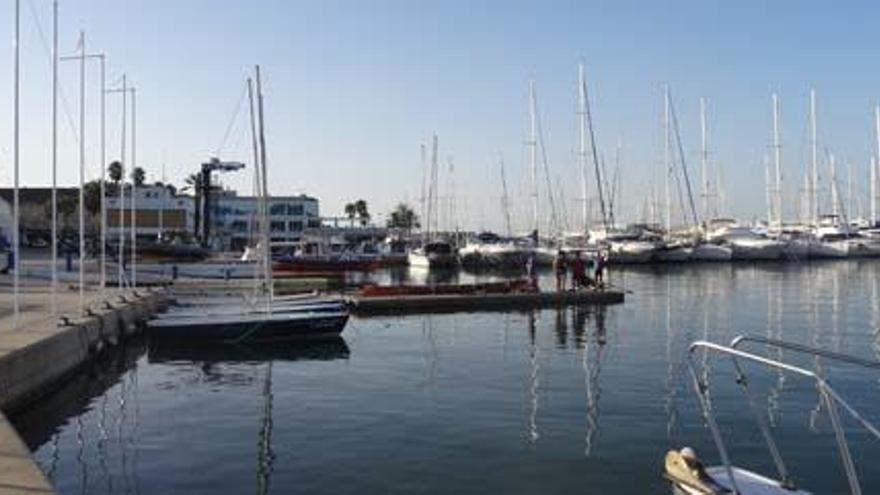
x=830 y=249
x=756 y=249
x=431 y=260
x=711 y=252
x=748 y=483
x=630 y=252
x=675 y=254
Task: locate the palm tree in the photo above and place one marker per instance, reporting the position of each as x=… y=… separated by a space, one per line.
x=403 y=217
x=351 y=212
x=115 y=172
x=138 y=176
x=360 y=207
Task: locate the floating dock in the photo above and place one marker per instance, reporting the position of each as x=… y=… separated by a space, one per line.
x=448 y=303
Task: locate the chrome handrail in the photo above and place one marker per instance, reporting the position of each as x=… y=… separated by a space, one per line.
x=828 y=394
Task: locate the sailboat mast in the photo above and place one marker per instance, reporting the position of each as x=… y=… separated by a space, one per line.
x=814 y=180
x=873 y=191
x=582 y=145
x=532 y=143
x=704 y=158
x=834 y=198
x=777 y=162
x=667 y=160
x=505 y=199
x=264 y=222
x=874 y=167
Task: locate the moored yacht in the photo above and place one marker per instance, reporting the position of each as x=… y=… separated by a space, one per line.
x=434 y=254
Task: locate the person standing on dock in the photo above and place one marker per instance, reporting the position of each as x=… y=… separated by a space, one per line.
x=600 y=269
x=560 y=269
x=578 y=272
x=531 y=273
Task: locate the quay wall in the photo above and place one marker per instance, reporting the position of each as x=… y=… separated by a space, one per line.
x=33 y=366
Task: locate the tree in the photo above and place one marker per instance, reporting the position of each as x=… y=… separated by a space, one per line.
x=92 y=196
x=67 y=206
x=114 y=170
x=138 y=176
x=360 y=207
x=351 y=212
x=403 y=217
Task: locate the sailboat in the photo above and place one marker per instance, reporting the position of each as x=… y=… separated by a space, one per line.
x=434 y=252
x=264 y=320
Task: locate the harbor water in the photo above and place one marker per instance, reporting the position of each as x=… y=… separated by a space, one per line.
x=556 y=401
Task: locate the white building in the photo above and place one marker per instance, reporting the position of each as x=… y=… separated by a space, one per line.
x=156 y=210
x=233 y=218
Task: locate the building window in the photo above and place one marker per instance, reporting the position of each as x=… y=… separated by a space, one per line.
x=296 y=226
x=276 y=226
x=314 y=223
x=295 y=209
x=277 y=209
x=239 y=226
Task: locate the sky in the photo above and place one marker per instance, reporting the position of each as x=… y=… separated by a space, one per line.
x=354 y=88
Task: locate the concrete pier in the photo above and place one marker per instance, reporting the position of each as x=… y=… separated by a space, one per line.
x=38 y=351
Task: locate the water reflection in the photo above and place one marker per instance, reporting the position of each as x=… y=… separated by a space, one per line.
x=532 y=429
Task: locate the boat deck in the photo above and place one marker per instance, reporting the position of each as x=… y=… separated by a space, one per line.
x=435 y=303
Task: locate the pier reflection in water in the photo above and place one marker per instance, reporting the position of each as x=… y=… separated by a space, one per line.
x=555 y=401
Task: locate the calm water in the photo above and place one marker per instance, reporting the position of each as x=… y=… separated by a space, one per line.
x=545 y=402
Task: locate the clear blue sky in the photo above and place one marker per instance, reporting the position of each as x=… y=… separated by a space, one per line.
x=354 y=87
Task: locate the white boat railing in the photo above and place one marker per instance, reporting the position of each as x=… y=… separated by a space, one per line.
x=831 y=398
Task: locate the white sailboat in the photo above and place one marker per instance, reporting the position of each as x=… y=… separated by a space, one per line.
x=434 y=252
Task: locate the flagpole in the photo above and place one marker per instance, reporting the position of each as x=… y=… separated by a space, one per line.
x=82 y=170
x=55 y=158
x=16 y=251
x=133 y=190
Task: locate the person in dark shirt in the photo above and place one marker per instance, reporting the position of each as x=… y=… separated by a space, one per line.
x=560 y=269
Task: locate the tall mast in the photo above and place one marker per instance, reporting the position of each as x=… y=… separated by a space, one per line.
x=55 y=158
x=704 y=158
x=599 y=186
x=267 y=250
x=814 y=180
x=768 y=194
x=423 y=198
x=505 y=199
x=667 y=160
x=777 y=162
x=582 y=144
x=834 y=198
x=532 y=143
x=875 y=166
x=258 y=186
x=873 y=191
